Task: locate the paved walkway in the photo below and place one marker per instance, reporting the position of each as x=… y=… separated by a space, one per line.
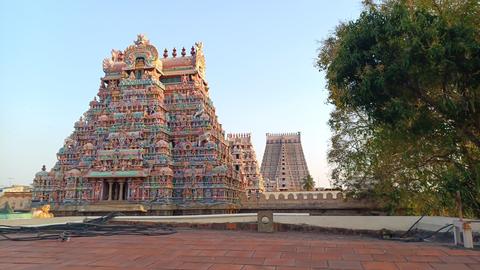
x=208 y=249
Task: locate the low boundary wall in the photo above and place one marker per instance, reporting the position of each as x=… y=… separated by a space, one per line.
x=313 y=202
x=367 y=223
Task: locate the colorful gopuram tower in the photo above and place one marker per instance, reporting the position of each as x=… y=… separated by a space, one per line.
x=151 y=136
x=283 y=165
x=245 y=162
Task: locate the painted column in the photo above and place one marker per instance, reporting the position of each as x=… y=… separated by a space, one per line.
x=120 y=196
x=110 y=186
x=129 y=181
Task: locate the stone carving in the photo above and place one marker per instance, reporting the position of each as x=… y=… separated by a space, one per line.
x=141 y=40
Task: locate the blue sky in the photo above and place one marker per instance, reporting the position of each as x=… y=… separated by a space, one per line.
x=260 y=66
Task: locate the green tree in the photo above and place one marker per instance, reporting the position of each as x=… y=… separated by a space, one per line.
x=405 y=82
x=6 y=209
x=308 y=183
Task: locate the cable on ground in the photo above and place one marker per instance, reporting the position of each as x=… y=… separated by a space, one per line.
x=88 y=228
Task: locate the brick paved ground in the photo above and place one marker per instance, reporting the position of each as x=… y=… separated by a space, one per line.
x=213 y=250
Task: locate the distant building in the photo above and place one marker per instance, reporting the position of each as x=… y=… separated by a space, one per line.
x=18 y=197
x=284 y=166
x=245 y=162
x=16 y=188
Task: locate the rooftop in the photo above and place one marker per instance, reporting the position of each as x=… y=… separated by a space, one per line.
x=211 y=249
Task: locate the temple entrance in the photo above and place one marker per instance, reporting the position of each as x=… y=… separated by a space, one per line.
x=114 y=190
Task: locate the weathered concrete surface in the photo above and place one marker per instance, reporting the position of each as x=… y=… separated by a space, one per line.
x=372 y=223
x=200 y=219
x=41 y=221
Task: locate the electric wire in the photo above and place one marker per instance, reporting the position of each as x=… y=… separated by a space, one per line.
x=89 y=228
x=411 y=227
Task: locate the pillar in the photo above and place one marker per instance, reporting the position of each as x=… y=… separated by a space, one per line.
x=467 y=235
x=129 y=181
x=110 y=187
x=120 y=195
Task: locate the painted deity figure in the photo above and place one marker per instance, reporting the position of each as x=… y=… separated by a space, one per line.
x=97 y=191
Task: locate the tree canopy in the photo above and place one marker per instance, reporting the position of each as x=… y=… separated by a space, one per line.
x=308 y=183
x=405 y=82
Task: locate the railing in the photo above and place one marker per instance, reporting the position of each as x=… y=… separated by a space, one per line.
x=274 y=198
x=315 y=201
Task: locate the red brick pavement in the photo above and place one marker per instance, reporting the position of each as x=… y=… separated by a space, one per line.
x=215 y=250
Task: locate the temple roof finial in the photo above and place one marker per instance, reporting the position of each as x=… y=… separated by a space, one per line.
x=141 y=40
x=199 y=47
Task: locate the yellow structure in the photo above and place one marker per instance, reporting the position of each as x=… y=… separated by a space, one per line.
x=44 y=212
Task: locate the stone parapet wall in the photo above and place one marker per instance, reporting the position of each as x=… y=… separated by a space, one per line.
x=302 y=195
x=313 y=202
x=144 y=209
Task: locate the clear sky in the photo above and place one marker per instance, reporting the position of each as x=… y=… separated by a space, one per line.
x=260 y=66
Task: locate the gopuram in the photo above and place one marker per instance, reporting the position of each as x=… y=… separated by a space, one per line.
x=283 y=165
x=245 y=162
x=150 y=142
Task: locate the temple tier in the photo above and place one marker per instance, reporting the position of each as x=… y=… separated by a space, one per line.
x=245 y=162
x=151 y=136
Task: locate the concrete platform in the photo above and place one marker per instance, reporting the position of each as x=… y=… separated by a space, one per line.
x=205 y=249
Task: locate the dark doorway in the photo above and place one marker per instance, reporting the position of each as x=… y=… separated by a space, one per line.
x=105 y=191
x=115 y=191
